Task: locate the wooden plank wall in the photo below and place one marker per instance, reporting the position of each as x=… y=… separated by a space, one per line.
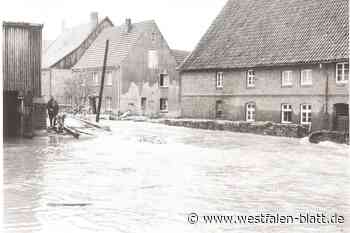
x=22 y=57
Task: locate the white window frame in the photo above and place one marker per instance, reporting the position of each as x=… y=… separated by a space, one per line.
x=95 y=78
x=166 y=105
x=250 y=112
x=108 y=103
x=343 y=78
x=285 y=108
x=250 y=78
x=219 y=79
x=152 y=59
x=165 y=78
x=109 y=78
x=308 y=112
x=306 y=77
x=287 y=81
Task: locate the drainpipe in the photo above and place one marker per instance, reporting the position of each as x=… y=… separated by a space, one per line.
x=326 y=114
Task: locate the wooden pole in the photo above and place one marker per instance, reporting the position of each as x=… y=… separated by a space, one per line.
x=102 y=82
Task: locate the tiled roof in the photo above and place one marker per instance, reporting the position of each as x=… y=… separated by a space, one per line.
x=120 y=43
x=180 y=55
x=68 y=41
x=250 y=33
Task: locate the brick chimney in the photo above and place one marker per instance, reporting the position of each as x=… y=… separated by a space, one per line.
x=93 y=20
x=128 y=25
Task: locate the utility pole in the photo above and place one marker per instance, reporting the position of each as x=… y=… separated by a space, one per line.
x=102 y=82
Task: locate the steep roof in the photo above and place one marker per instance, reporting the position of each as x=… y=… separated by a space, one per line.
x=180 y=55
x=250 y=33
x=67 y=42
x=120 y=43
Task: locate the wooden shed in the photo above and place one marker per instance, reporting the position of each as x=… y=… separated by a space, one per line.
x=23 y=109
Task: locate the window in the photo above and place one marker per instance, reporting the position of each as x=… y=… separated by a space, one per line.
x=109 y=79
x=143 y=103
x=250 y=112
x=305 y=114
x=342 y=72
x=154 y=36
x=152 y=59
x=163 y=80
x=95 y=78
x=163 y=104
x=70 y=100
x=250 y=78
x=286 y=113
x=219 y=109
x=287 y=79
x=219 y=80
x=306 y=78
x=108 y=103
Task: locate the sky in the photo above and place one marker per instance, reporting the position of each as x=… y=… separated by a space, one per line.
x=182 y=22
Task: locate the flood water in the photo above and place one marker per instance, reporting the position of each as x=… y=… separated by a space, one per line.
x=146 y=177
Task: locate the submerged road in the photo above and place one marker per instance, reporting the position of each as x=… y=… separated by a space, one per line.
x=147 y=177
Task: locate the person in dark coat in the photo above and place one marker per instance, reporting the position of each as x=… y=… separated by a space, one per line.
x=52 y=110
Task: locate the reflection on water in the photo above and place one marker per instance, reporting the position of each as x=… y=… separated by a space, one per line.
x=148 y=177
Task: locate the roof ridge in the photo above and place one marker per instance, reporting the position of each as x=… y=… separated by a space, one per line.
x=248 y=33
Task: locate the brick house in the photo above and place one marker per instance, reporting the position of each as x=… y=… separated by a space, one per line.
x=141 y=74
x=23 y=108
x=282 y=60
x=63 y=53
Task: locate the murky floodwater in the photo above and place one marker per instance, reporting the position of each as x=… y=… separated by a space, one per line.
x=147 y=178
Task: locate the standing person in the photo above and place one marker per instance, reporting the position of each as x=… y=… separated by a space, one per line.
x=50 y=110
x=55 y=112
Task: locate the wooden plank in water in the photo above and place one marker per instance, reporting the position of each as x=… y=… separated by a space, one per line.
x=71 y=131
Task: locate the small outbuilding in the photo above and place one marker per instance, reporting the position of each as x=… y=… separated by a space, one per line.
x=23 y=108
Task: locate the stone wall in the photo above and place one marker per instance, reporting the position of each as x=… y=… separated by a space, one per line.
x=333 y=136
x=263 y=128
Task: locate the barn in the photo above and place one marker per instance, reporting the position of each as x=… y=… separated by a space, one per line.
x=23 y=107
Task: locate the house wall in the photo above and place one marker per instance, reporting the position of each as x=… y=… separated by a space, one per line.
x=199 y=94
x=138 y=80
x=92 y=89
x=54 y=84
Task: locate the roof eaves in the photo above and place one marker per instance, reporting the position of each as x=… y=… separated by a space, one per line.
x=105 y=19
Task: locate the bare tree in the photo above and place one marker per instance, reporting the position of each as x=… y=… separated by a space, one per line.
x=77 y=91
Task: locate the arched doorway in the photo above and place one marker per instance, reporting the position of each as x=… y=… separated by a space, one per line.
x=341 y=117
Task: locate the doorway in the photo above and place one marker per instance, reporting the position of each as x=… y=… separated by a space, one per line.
x=218 y=109
x=11 y=116
x=143 y=105
x=341 y=118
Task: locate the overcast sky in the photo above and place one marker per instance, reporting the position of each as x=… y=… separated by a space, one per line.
x=182 y=22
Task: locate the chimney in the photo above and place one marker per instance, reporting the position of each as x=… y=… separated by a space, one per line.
x=93 y=20
x=63 y=26
x=128 y=24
